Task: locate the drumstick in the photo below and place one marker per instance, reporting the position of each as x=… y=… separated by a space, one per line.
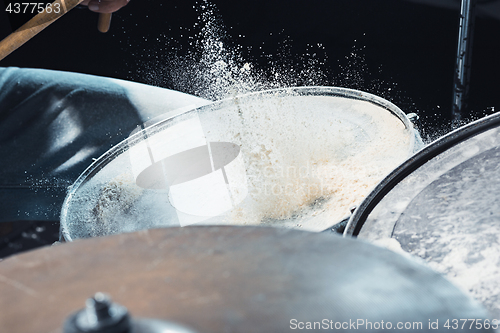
x=104 y=22
x=28 y=30
x=57 y=9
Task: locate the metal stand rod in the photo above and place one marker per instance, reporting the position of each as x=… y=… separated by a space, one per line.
x=464 y=56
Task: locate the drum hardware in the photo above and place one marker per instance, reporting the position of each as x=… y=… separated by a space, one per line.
x=463 y=59
x=102 y=315
x=414 y=119
x=339 y=228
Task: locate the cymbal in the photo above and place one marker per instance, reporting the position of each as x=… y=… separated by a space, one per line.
x=228 y=279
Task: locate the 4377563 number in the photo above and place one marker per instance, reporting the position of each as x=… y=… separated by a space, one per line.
x=32 y=7
x=474 y=323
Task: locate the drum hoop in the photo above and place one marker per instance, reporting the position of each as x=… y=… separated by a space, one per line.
x=360 y=215
x=121 y=147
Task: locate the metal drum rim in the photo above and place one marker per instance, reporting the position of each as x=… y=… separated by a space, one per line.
x=360 y=215
x=121 y=147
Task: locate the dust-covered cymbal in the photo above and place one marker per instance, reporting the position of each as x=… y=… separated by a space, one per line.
x=230 y=279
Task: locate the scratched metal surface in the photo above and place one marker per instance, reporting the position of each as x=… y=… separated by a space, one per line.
x=226 y=279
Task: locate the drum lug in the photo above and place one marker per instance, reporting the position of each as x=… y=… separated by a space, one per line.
x=340 y=227
x=413 y=117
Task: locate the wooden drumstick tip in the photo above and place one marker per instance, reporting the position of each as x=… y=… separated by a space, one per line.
x=104 y=22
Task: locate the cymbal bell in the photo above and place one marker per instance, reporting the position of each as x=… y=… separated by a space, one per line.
x=228 y=279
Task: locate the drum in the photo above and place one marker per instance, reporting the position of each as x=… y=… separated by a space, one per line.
x=443 y=205
x=293 y=158
x=214 y=279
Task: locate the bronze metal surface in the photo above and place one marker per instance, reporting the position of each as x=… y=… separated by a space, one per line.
x=226 y=279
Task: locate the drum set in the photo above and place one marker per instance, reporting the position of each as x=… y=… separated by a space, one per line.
x=220 y=219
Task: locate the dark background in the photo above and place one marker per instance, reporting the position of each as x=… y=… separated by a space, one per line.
x=400 y=50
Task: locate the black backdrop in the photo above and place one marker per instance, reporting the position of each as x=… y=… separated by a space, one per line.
x=400 y=50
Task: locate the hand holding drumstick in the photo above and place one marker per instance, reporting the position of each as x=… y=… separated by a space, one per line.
x=45 y=18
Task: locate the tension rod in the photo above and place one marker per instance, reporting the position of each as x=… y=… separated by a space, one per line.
x=463 y=61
